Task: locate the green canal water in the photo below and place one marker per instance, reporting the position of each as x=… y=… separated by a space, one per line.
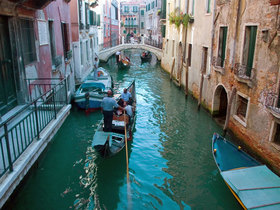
x=170 y=160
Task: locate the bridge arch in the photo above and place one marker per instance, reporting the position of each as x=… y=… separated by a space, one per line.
x=104 y=55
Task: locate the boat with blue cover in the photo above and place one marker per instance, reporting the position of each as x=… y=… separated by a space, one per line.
x=110 y=143
x=254 y=185
x=91 y=92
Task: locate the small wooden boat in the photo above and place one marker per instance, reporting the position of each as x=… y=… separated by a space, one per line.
x=146 y=56
x=252 y=184
x=124 y=63
x=110 y=143
x=91 y=92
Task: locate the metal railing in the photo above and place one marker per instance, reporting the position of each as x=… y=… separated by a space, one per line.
x=26 y=125
x=153 y=43
x=272 y=102
x=244 y=72
x=218 y=62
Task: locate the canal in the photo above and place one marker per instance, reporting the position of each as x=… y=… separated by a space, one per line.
x=170 y=160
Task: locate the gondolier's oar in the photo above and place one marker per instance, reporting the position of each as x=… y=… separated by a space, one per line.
x=126 y=149
x=127 y=171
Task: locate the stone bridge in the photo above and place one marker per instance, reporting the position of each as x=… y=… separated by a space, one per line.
x=104 y=55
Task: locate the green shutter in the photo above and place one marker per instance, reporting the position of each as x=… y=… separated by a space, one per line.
x=94 y=18
x=142 y=12
x=208 y=6
x=91 y=17
x=224 y=46
x=98 y=20
x=252 y=43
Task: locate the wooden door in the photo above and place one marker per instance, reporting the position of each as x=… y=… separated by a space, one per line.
x=8 y=98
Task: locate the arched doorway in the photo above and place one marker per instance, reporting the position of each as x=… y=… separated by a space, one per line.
x=220 y=104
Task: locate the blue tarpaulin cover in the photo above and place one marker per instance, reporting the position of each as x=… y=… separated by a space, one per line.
x=255 y=186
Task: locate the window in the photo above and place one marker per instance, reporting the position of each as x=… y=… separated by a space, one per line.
x=81 y=52
x=192 y=12
x=277 y=134
x=208 y=2
x=28 y=41
x=91 y=17
x=156 y=3
x=52 y=40
x=166 y=47
x=222 y=47
x=142 y=12
x=126 y=8
x=87 y=15
x=142 y=25
x=65 y=38
x=104 y=30
x=87 y=51
x=249 y=48
x=94 y=19
x=241 y=108
x=134 y=8
x=149 y=7
x=204 y=60
x=190 y=55
x=153 y=5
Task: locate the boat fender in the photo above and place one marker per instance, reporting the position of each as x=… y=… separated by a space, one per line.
x=215 y=150
x=239 y=147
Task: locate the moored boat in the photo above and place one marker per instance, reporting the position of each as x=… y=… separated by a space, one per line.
x=254 y=185
x=91 y=92
x=110 y=143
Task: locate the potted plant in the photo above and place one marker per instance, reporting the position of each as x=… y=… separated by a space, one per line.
x=159 y=12
x=191 y=19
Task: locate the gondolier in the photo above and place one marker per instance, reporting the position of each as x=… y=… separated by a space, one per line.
x=108 y=104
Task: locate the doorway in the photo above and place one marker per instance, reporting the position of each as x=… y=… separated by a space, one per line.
x=8 y=98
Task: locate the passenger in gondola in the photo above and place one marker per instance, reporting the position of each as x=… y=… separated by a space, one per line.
x=126 y=95
x=143 y=54
x=107 y=106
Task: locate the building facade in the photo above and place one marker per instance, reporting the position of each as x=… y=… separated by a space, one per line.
x=152 y=20
x=84 y=22
x=227 y=57
x=35 y=44
x=245 y=74
x=130 y=19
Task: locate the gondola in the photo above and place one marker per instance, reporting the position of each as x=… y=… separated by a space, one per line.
x=124 y=63
x=110 y=143
x=146 y=56
x=254 y=185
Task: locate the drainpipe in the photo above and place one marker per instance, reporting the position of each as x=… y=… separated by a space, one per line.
x=233 y=93
x=200 y=89
x=213 y=31
x=184 y=56
x=236 y=32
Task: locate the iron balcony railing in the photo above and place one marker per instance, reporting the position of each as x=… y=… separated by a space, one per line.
x=218 y=62
x=272 y=102
x=26 y=125
x=244 y=72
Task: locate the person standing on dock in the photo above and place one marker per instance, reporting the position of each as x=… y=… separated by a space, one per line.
x=107 y=105
x=95 y=67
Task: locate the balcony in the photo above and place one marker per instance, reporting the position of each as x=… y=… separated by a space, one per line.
x=131 y=26
x=272 y=104
x=245 y=74
x=218 y=64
